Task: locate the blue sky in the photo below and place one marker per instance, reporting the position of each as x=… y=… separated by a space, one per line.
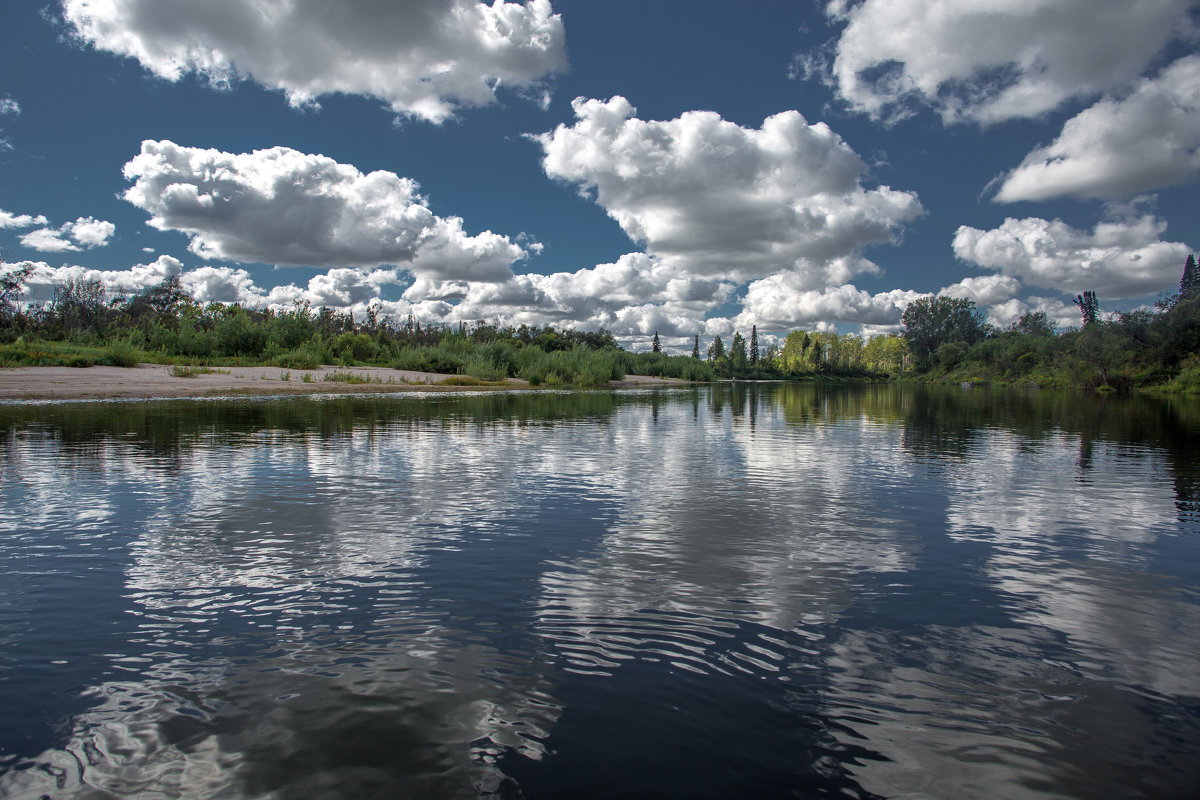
x=685 y=167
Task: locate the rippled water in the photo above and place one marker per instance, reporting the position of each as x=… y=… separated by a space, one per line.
x=758 y=591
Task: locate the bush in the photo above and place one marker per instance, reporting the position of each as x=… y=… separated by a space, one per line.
x=300 y=358
x=482 y=368
x=119 y=354
x=356 y=346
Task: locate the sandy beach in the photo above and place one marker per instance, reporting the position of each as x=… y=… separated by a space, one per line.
x=151 y=381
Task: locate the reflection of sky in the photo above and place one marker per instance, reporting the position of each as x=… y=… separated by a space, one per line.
x=467 y=589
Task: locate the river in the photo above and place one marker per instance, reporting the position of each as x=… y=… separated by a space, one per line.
x=749 y=590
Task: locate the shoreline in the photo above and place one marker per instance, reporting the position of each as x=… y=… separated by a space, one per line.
x=155 y=382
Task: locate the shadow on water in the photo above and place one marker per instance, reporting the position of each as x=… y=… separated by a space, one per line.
x=738 y=590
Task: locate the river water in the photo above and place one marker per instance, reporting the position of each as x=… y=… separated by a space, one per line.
x=728 y=591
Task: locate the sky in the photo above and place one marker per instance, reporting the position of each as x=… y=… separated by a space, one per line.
x=680 y=167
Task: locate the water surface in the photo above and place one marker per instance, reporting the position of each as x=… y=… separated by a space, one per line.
x=749 y=590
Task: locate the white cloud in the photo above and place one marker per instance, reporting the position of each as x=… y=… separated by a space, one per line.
x=9 y=220
x=47 y=240
x=222 y=285
x=280 y=206
x=39 y=287
x=424 y=58
x=83 y=233
x=1117 y=148
x=637 y=294
x=1118 y=259
x=719 y=200
x=991 y=60
x=781 y=302
x=1062 y=314
x=985 y=290
x=90 y=232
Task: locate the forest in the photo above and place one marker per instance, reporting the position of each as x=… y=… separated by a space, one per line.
x=943 y=339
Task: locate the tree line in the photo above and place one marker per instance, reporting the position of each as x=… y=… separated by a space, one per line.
x=81 y=326
x=942 y=339
x=947 y=339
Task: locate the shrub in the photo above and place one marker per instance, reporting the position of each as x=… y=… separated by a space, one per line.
x=120 y=354
x=482 y=368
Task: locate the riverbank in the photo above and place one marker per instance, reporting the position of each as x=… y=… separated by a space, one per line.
x=154 y=381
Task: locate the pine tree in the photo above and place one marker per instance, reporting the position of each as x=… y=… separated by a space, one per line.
x=1189 y=284
x=696 y=348
x=737 y=351
x=1089 y=306
x=753 y=345
x=656 y=345
x=716 y=350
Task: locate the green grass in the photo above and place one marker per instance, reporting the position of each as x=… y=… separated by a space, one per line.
x=468 y=380
x=346 y=376
x=40 y=353
x=191 y=371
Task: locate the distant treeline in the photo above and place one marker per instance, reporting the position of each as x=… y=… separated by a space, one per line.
x=944 y=339
x=162 y=323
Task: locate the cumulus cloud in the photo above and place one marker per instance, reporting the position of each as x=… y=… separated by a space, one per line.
x=284 y=207
x=781 y=301
x=1116 y=148
x=209 y=284
x=424 y=58
x=987 y=61
x=722 y=201
x=637 y=294
x=1061 y=313
x=10 y=220
x=39 y=286
x=1118 y=259
x=83 y=233
x=985 y=290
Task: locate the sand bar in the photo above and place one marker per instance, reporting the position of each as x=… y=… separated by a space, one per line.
x=147 y=381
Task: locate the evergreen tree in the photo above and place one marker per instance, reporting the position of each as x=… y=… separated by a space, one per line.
x=1189 y=284
x=1089 y=307
x=656 y=345
x=737 y=352
x=716 y=350
x=753 y=345
x=696 y=348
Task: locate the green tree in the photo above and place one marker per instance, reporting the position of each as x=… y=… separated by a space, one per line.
x=753 y=345
x=930 y=322
x=794 y=346
x=885 y=354
x=696 y=348
x=1089 y=307
x=78 y=305
x=737 y=352
x=656 y=345
x=12 y=284
x=1189 y=284
x=1034 y=323
x=1102 y=346
x=716 y=350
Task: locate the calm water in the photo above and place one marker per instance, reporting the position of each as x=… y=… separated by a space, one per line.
x=763 y=591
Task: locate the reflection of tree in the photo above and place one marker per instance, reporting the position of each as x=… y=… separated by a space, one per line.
x=170 y=429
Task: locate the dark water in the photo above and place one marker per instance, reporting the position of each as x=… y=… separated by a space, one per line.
x=752 y=591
